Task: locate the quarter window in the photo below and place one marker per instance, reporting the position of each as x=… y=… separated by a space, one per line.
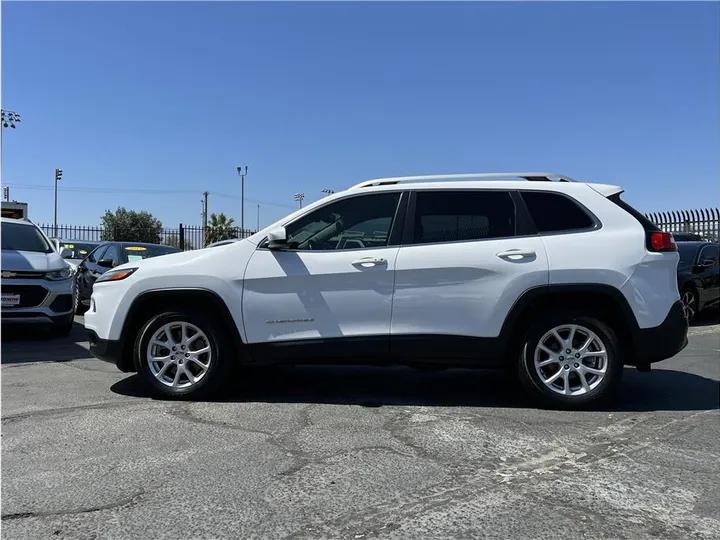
x=451 y=216
x=113 y=254
x=352 y=223
x=553 y=212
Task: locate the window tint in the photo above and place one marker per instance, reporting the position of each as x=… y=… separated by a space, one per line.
x=112 y=253
x=710 y=252
x=553 y=212
x=449 y=216
x=96 y=255
x=22 y=237
x=353 y=223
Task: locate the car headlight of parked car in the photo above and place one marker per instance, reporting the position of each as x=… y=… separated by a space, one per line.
x=59 y=275
x=116 y=275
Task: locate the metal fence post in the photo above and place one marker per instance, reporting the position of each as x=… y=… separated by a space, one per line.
x=181 y=237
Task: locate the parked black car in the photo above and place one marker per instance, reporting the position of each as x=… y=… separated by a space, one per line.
x=106 y=256
x=687 y=236
x=699 y=276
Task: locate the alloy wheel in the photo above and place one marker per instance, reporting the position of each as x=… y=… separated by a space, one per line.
x=179 y=354
x=689 y=302
x=571 y=360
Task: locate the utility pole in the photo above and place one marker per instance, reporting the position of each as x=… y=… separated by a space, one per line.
x=205 y=214
x=299 y=198
x=258 y=218
x=58 y=176
x=328 y=191
x=6 y=193
x=242 y=175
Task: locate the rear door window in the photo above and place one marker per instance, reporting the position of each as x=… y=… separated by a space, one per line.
x=455 y=216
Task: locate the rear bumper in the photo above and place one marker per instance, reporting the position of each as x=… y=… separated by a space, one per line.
x=663 y=341
x=106 y=350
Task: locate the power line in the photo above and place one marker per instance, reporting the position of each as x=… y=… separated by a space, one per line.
x=148 y=191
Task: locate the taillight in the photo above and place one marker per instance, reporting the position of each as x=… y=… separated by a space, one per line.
x=661 y=241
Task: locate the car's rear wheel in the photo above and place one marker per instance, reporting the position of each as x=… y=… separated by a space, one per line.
x=570 y=361
x=690 y=302
x=181 y=354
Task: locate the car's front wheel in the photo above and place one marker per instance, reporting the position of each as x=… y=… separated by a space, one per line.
x=569 y=360
x=182 y=354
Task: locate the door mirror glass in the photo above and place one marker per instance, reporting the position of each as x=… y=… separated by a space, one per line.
x=66 y=253
x=105 y=263
x=277 y=238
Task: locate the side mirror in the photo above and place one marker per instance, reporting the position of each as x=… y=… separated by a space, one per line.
x=66 y=253
x=277 y=238
x=105 y=263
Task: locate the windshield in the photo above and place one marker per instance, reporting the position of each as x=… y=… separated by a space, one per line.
x=139 y=252
x=79 y=250
x=687 y=252
x=21 y=237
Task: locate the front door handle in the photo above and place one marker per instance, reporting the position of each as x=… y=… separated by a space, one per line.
x=517 y=254
x=367 y=262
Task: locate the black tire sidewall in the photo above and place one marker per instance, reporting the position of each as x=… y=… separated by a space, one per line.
x=531 y=380
x=219 y=364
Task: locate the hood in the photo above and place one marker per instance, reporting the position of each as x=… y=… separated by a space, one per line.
x=31 y=261
x=219 y=257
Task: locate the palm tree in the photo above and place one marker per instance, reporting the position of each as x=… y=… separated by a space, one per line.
x=220 y=228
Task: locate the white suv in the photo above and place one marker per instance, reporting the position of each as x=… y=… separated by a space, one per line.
x=560 y=281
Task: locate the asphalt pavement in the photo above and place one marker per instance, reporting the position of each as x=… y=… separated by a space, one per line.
x=357 y=453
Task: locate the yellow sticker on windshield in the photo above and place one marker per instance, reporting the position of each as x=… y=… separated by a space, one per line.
x=69 y=246
x=82 y=252
x=136 y=248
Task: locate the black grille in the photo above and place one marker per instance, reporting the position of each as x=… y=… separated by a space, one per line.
x=62 y=303
x=30 y=295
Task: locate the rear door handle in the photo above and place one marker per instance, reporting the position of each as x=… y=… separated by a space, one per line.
x=517 y=254
x=367 y=262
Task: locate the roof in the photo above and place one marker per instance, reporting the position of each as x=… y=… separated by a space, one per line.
x=21 y=221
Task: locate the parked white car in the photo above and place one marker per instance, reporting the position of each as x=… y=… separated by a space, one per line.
x=37 y=284
x=560 y=281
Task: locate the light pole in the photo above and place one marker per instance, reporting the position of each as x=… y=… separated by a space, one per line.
x=58 y=176
x=258 y=218
x=242 y=173
x=7 y=119
x=299 y=198
x=328 y=191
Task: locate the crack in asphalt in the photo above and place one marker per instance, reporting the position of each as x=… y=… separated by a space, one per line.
x=550 y=465
x=122 y=503
x=59 y=412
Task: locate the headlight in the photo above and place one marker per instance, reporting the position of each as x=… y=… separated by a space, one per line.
x=116 y=275
x=59 y=275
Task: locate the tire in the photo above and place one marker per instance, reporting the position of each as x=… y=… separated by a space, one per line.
x=217 y=361
x=64 y=328
x=690 y=301
x=597 y=385
x=78 y=308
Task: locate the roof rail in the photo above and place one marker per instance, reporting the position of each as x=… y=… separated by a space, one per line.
x=530 y=176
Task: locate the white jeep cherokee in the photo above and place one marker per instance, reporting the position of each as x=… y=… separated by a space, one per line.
x=561 y=281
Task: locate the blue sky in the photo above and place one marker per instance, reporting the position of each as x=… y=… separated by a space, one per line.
x=174 y=96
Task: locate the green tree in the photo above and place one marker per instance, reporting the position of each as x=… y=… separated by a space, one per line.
x=129 y=226
x=220 y=228
x=174 y=241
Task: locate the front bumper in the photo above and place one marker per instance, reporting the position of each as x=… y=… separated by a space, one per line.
x=41 y=301
x=106 y=350
x=663 y=341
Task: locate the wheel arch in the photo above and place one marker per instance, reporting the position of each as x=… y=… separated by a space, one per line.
x=153 y=301
x=599 y=299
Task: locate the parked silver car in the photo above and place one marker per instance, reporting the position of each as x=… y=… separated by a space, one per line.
x=38 y=286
